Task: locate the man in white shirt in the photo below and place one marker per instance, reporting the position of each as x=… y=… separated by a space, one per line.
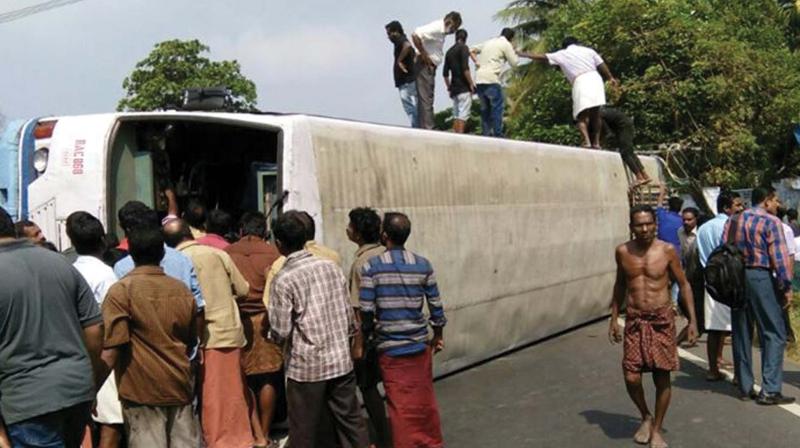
x=492 y=57
x=583 y=68
x=429 y=41
x=86 y=234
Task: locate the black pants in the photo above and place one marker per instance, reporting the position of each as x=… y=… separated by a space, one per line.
x=307 y=402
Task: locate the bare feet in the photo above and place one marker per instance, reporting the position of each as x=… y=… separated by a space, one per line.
x=656 y=441
x=642 y=436
x=639 y=182
x=714 y=376
x=724 y=364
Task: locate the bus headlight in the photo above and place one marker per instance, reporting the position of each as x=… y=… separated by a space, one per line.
x=40 y=157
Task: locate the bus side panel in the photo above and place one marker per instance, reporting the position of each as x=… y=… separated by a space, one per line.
x=75 y=175
x=521 y=236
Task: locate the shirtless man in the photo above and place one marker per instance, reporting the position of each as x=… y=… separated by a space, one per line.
x=644 y=268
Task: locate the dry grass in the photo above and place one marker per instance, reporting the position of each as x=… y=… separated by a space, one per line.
x=793 y=349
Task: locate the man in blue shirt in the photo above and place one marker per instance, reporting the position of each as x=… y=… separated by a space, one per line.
x=134 y=214
x=717 y=315
x=669 y=219
x=394 y=288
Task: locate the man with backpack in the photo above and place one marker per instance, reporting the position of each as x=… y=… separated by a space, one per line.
x=717 y=315
x=759 y=235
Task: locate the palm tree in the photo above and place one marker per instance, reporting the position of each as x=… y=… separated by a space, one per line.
x=791 y=9
x=530 y=16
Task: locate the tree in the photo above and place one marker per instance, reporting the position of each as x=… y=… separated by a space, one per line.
x=158 y=81
x=714 y=78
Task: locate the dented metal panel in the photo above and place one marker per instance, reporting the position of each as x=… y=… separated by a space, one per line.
x=521 y=235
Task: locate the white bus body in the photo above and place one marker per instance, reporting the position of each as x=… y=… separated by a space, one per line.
x=521 y=235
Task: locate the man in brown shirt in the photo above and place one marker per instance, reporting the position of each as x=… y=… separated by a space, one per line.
x=225 y=416
x=149 y=331
x=364 y=229
x=262 y=359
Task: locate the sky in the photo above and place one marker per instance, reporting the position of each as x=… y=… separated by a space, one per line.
x=306 y=56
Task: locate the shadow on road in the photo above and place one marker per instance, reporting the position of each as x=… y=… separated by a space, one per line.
x=615 y=426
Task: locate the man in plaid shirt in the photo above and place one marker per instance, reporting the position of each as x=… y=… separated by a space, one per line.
x=760 y=236
x=310 y=315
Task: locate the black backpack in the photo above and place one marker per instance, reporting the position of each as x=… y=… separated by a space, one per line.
x=724 y=272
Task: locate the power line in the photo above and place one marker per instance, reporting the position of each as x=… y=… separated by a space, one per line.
x=34 y=9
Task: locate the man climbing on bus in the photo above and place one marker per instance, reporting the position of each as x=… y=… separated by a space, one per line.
x=644 y=267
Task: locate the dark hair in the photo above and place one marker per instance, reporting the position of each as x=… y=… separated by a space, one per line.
x=290 y=230
x=725 y=200
x=21 y=225
x=219 y=222
x=781 y=213
x=761 y=194
x=308 y=221
x=508 y=33
x=641 y=209
x=792 y=214
x=462 y=34
x=675 y=204
x=691 y=210
x=569 y=40
x=394 y=27
x=86 y=233
x=146 y=246
x=253 y=223
x=7 y=229
x=455 y=17
x=195 y=213
x=181 y=232
x=397 y=227
x=366 y=223
x=138 y=216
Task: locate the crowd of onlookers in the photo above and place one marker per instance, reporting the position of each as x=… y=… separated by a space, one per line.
x=191 y=331
x=766 y=235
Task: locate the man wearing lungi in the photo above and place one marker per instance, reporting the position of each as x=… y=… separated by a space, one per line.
x=394 y=287
x=583 y=68
x=644 y=268
x=717 y=315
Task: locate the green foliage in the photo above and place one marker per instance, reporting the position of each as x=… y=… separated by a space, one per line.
x=716 y=77
x=158 y=81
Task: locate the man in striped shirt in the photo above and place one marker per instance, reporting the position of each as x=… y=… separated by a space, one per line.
x=394 y=287
x=760 y=236
x=310 y=315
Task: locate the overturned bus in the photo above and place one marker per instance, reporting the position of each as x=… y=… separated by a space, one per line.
x=521 y=235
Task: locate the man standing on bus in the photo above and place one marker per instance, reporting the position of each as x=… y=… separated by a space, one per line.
x=394 y=287
x=492 y=57
x=429 y=40
x=644 y=267
x=458 y=79
x=403 y=70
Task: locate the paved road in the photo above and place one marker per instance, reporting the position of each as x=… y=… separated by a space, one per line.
x=568 y=392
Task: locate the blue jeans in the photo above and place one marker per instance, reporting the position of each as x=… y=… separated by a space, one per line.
x=492 y=104
x=60 y=429
x=408 y=96
x=762 y=306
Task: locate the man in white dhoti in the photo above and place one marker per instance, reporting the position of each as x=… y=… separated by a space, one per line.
x=717 y=315
x=583 y=68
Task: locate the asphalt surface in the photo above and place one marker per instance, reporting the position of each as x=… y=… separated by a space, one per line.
x=569 y=392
